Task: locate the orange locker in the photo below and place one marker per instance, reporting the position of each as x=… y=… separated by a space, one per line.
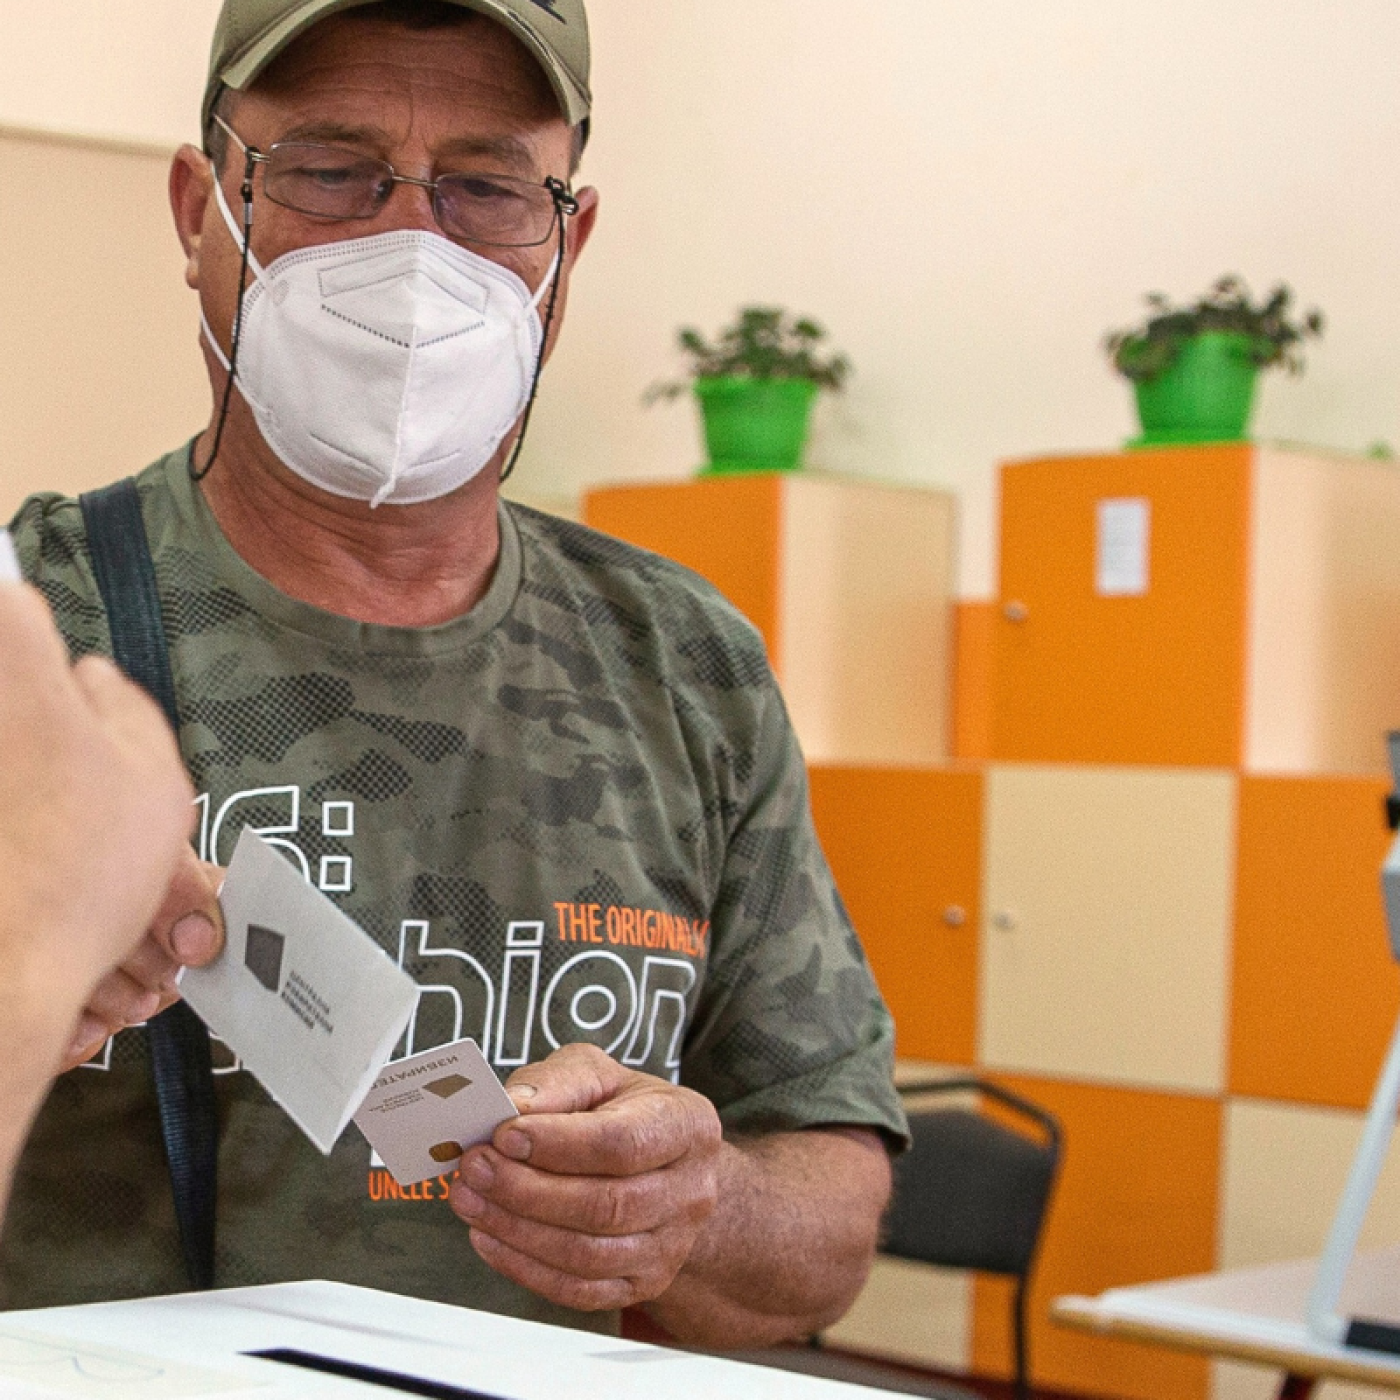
x=1230 y=606
x=849 y=581
x=1136 y=1200
x=1315 y=988
x=906 y=849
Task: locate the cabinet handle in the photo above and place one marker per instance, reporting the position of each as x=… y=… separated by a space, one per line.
x=955 y=916
x=1015 y=611
x=1004 y=919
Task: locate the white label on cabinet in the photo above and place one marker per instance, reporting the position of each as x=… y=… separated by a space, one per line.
x=1123 y=547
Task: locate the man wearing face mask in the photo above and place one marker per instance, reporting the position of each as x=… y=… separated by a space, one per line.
x=548 y=772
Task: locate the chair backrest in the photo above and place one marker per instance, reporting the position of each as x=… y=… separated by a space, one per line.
x=971 y=1192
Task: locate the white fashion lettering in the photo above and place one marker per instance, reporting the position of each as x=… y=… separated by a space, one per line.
x=634 y=1007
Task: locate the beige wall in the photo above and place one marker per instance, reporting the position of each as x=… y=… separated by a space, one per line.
x=969 y=192
x=99 y=368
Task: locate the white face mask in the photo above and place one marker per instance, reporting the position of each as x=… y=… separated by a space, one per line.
x=385 y=369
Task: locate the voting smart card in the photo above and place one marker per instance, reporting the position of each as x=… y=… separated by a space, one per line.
x=301 y=994
x=424 y=1112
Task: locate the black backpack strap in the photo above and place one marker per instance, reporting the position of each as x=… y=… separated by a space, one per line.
x=179 y=1043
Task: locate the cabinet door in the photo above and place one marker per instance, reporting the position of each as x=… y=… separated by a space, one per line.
x=905 y=846
x=1085 y=675
x=1106 y=922
x=1315 y=986
x=1136 y=1200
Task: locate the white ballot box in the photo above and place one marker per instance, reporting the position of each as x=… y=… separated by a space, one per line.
x=209 y=1344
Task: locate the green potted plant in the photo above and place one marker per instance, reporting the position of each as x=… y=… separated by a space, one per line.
x=755 y=384
x=1193 y=368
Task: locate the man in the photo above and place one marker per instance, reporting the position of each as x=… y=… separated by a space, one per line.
x=548 y=772
x=94 y=821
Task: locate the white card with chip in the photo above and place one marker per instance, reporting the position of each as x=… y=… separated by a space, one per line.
x=301 y=994
x=424 y=1112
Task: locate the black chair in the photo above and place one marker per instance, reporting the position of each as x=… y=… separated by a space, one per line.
x=972 y=1191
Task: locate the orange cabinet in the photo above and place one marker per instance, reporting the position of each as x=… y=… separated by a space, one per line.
x=906 y=849
x=1136 y=1200
x=1230 y=606
x=1315 y=988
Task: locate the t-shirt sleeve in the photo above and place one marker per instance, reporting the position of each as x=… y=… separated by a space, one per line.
x=792 y=1032
x=52 y=548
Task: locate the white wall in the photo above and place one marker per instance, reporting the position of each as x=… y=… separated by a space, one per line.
x=968 y=192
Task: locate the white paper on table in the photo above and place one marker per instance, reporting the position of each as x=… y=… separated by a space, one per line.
x=1123 y=547
x=301 y=994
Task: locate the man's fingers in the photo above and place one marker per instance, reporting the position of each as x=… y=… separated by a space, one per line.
x=570 y=1251
x=608 y=1205
x=572 y=1080
x=583 y=1295
x=648 y=1126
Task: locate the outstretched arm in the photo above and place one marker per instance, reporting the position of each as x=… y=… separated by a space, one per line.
x=95 y=812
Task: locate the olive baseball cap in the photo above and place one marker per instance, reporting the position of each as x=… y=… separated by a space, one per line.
x=251 y=33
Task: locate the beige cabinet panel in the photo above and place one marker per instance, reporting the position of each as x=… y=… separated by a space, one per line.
x=1106 y=921
x=864 y=585
x=1323 y=663
x=912 y=1313
x=1282 y=1176
x=1284 y=1167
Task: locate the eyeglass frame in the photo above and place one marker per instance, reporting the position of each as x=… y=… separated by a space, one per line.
x=565 y=202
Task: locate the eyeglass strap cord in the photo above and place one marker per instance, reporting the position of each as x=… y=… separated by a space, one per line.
x=246 y=191
x=564 y=205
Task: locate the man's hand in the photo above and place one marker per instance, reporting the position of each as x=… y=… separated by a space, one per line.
x=614 y=1188
x=595 y=1195
x=95 y=813
x=187 y=931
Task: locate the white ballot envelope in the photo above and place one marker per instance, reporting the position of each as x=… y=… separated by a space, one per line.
x=424 y=1112
x=9 y=564
x=301 y=994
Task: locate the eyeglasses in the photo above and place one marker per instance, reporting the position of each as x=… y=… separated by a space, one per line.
x=333 y=183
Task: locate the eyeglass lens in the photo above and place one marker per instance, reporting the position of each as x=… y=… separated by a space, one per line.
x=340 y=184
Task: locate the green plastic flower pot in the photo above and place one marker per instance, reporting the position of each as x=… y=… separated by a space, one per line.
x=1205 y=396
x=754 y=425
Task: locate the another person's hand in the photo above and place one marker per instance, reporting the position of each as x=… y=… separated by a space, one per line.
x=595 y=1195
x=95 y=814
x=186 y=931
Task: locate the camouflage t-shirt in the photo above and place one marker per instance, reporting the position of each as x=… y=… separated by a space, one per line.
x=577 y=813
